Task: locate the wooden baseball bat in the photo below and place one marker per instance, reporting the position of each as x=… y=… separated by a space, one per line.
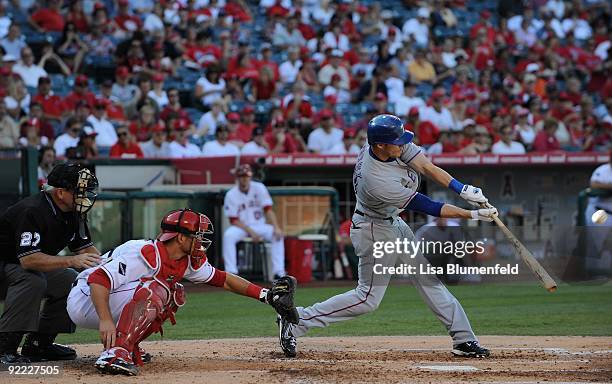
x=537 y=269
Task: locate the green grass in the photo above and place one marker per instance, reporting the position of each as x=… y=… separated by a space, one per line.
x=510 y=309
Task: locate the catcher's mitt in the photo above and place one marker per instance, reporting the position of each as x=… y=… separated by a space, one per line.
x=280 y=296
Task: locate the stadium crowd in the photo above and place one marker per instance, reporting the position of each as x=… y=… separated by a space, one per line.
x=189 y=78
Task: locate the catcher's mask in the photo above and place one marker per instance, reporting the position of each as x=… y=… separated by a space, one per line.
x=74 y=177
x=193 y=224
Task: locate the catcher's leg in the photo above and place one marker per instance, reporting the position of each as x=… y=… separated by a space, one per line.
x=140 y=318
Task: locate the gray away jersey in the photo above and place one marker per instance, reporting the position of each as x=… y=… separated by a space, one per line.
x=384 y=188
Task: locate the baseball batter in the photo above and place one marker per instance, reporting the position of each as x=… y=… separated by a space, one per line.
x=137 y=288
x=385 y=180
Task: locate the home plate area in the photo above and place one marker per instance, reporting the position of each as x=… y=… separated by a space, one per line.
x=389 y=359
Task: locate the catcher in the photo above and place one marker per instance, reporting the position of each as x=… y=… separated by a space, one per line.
x=137 y=287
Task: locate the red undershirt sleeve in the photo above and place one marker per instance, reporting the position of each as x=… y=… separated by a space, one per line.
x=99 y=277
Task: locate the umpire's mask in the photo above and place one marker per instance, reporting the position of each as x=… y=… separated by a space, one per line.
x=77 y=179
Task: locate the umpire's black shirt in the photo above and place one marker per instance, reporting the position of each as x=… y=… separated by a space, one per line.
x=36 y=224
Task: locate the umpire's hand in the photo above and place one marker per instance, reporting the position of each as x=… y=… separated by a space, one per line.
x=85 y=260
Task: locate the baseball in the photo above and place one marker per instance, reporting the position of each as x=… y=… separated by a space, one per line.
x=599 y=217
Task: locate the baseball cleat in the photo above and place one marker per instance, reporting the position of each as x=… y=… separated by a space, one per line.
x=287 y=341
x=53 y=352
x=470 y=349
x=8 y=358
x=116 y=360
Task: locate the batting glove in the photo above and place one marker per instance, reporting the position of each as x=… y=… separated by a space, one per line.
x=485 y=214
x=473 y=195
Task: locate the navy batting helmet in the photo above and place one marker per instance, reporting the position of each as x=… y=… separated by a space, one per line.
x=388 y=129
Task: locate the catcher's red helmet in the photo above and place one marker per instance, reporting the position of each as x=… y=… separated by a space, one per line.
x=187 y=222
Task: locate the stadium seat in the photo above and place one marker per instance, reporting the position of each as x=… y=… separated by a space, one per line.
x=236 y=106
x=194 y=114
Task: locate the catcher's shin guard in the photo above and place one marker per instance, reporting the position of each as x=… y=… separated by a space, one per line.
x=141 y=317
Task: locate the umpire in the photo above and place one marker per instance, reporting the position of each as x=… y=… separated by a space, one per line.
x=32 y=233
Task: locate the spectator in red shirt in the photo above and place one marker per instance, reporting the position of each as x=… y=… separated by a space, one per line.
x=125 y=147
x=505 y=37
x=174 y=106
x=52 y=105
x=297 y=104
x=141 y=128
x=545 y=140
x=79 y=92
x=264 y=86
x=484 y=54
x=455 y=143
x=484 y=24
x=267 y=61
x=573 y=91
x=203 y=52
x=124 y=19
x=233 y=123
x=238 y=10
x=294 y=129
x=114 y=110
x=46 y=129
x=243 y=49
x=30 y=134
x=77 y=16
x=245 y=68
x=245 y=128
x=425 y=132
x=277 y=10
x=279 y=141
x=49 y=18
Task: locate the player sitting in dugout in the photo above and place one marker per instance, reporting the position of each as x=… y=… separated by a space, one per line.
x=137 y=287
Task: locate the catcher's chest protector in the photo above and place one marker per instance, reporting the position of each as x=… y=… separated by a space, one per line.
x=167 y=272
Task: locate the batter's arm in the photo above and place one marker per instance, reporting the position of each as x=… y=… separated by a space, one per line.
x=469 y=193
x=450 y=211
x=423 y=204
x=425 y=167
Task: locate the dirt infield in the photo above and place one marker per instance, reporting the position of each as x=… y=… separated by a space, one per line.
x=418 y=359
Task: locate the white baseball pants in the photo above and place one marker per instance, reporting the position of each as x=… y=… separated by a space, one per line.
x=82 y=311
x=234 y=234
